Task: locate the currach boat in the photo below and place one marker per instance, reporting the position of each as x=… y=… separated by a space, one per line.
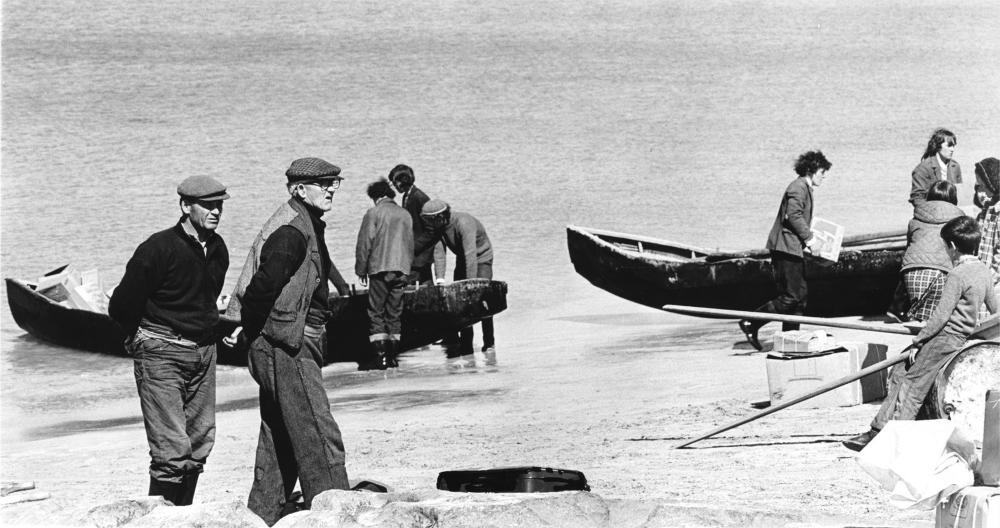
x=655 y=272
x=429 y=313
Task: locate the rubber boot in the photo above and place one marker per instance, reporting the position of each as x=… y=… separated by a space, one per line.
x=186 y=496
x=391 y=353
x=168 y=490
x=377 y=359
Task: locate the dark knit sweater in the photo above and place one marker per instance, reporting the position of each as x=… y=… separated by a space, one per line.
x=171 y=281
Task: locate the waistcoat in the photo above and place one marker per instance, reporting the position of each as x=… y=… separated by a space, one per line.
x=286 y=321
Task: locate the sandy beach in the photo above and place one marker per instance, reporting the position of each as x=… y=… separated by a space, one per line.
x=612 y=407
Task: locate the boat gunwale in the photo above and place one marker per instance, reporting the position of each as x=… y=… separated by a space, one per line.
x=869 y=242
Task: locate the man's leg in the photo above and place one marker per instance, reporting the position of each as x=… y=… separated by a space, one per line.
x=791 y=287
x=378 y=292
x=275 y=471
x=396 y=283
x=199 y=409
x=314 y=434
x=159 y=374
x=921 y=375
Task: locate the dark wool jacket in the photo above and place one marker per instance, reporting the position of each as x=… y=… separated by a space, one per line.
x=385 y=240
x=792 y=226
x=924 y=246
x=170 y=281
x=926 y=173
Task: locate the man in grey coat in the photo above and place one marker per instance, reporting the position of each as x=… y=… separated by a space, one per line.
x=383 y=256
x=791 y=234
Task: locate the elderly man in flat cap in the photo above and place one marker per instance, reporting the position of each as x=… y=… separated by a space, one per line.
x=166 y=304
x=282 y=299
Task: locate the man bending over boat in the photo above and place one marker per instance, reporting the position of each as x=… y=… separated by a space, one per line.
x=282 y=299
x=790 y=235
x=466 y=237
x=166 y=303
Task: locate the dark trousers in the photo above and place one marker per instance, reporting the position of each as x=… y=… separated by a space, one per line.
x=465 y=336
x=908 y=387
x=176 y=387
x=385 y=303
x=422 y=275
x=299 y=439
x=790 y=279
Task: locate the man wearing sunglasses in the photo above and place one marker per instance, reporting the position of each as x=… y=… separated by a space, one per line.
x=166 y=304
x=282 y=300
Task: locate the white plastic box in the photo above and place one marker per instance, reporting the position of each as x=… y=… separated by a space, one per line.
x=789 y=376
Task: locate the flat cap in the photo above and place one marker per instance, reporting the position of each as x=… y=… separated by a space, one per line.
x=202 y=188
x=433 y=207
x=310 y=169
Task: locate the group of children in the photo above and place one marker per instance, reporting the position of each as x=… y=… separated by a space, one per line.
x=951 y=294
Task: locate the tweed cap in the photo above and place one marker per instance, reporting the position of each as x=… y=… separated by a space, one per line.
x=202 y=188
x=312 y=169
x=433 y=207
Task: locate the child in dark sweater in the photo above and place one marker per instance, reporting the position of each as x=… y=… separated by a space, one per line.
x=969 y=285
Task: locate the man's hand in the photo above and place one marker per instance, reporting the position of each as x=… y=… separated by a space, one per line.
x=363 y=279
x=914 y=350
x=438 y=281
x=231 y=339
x=813 y=244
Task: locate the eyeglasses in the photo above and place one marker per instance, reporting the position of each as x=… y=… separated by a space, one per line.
x=328 y=185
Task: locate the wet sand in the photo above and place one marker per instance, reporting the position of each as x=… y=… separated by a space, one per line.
x=609 y=396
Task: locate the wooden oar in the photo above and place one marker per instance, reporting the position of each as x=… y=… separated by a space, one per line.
x=825 y=388
x=803 y=319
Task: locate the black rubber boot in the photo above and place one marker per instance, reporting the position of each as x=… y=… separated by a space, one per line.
x=859 y=442
x=186 y=496
x=391 y=353
x=168 y=490
x=377 y=360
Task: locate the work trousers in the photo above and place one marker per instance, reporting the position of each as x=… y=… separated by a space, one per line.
x=176 y=386
x=385 y=303
x=790 y=279
x=299 y=439
x=465 y=336
x=908 y=387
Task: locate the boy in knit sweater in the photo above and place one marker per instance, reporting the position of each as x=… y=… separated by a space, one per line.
x=969 y=285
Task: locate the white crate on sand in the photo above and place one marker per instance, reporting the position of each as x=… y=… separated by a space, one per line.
x=792 y=375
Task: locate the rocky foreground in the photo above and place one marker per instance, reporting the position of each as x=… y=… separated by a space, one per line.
x=438 y=509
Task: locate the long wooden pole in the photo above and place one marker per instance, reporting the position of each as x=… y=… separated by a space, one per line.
x=803 y=319
x=825 y=388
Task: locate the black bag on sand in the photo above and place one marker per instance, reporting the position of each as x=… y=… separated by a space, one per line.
x=513 y=480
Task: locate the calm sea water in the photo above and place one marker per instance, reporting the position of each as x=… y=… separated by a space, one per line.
x=672 y=119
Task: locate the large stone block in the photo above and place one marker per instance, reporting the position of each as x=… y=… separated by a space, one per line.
x=115 y=514
x=439 y=509
x=215 y=514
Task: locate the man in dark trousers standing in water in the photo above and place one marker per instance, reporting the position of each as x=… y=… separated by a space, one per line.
x=466 y=237
x=166 y=304
x=282 y=299
x=791 y=234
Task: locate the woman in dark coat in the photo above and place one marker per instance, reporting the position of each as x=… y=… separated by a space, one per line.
x=926 y=262
x=936 y=164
